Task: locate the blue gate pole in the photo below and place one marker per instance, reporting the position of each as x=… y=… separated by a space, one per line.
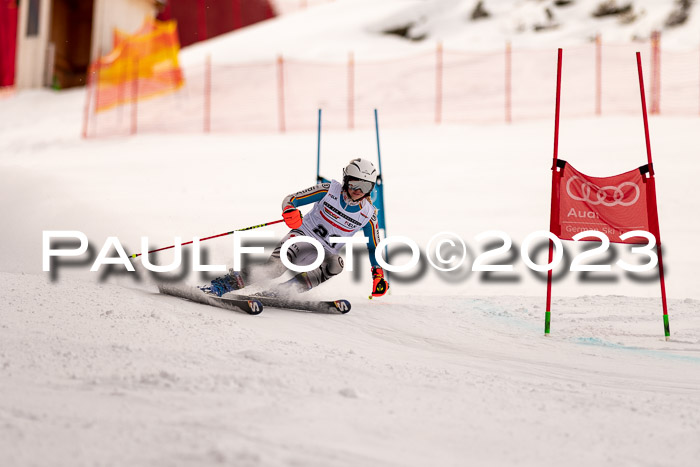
x=379 y=152
x=379 y=159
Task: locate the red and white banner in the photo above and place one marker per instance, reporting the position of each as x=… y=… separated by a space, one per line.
x=611 y=205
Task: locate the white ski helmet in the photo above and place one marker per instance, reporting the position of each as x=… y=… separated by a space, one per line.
x=360 y=169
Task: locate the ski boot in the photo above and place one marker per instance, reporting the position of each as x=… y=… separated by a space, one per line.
x=221 y=285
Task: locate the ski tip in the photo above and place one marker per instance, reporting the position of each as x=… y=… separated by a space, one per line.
x=343 y=306
x=255 y=307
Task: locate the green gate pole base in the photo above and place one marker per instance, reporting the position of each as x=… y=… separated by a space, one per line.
x=667 y=328
x=547 y=319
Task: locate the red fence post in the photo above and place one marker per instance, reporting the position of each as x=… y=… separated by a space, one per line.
x=438 y=83
x=207 y=95
x=97 y=92
x=135 y=97
x=508 y=83
x=88 y=92
x=655 y=73
x=351 y=91
x=280 y=93
x=598 y=75
x=121 y=89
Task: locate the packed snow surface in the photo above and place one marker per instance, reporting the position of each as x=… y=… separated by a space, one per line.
x=449 y=369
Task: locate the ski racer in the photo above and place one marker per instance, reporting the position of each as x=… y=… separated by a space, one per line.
x=340 y=210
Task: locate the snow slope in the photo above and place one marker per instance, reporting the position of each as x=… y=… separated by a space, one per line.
x=98 y=369
x=116 y=376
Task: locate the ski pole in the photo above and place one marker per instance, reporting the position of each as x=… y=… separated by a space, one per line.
x=209 y=238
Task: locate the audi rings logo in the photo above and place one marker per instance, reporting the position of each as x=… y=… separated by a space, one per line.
x=605 y=195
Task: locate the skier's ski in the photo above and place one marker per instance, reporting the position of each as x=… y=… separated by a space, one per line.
x=334 y=306
x=250 y=305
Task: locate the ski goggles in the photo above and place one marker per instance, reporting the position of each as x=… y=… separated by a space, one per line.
x=363 y=185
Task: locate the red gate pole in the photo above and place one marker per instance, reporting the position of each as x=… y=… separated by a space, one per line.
x=135 y=97
x=280 y=93
x=508 y=83
x=207 y=95
x=548 y=314
x=438 y=83
x=351 y=91
x=644 y=108
x=655 y=214
x=598 y=75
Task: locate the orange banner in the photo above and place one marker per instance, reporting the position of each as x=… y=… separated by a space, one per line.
x=141 y=65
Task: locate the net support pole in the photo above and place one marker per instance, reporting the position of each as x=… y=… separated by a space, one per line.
x=654 y=214
x=655 y=73
x=97 y=93
x=508 y=82
x=88 y=94
x=438 y=83
x=280 y=93
x=351 y=91
x=135 y=98
x=207 y=94
x=318 y=149
x=598 y=75
x=121 y=87
x=548 y=309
